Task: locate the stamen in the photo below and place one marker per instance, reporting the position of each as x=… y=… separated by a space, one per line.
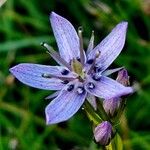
x=65 y=82
x=96 y=77
x=90 y=85
x=55 y=55
x=48 y=75
x=81 y=46
x=65 y=72
x=78 y=59
x=91 y=44
x=70 y=87
x=94 y=61
x=90 y=61
x=97 y=69
x=80 y=90
x=45 y=75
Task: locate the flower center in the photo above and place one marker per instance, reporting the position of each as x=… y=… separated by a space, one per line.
x=78 y=68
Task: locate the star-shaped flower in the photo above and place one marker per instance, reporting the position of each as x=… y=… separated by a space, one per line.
x=80 y=75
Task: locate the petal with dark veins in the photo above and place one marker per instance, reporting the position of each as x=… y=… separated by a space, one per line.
x=92 y=100
x=31 y=74
x=106 y=88
x=64 y=106
x=111 y=46
x=66 y=37
x=111 y=71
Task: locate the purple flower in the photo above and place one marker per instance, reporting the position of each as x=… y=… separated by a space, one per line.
x=80 y=73
x=103 y=133
x=112 y=105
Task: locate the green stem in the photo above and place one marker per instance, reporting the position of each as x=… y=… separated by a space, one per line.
x=91 y=113
x=115 y=144
x=101 y=111
x=120 y=111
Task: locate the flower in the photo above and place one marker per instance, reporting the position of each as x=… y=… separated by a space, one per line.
x=79 y=73
x=103 y=133
x=112 y=105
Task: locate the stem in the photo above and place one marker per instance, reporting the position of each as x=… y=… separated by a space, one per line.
x=91 y=113
x=120 y=111
x=115 y=144
x=101 y=111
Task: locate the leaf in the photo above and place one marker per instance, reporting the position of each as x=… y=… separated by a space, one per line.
x=13 y=45
x=116 y=143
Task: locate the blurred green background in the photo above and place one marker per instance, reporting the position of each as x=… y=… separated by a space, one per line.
x=23 y=25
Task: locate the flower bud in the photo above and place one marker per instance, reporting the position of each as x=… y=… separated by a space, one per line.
x=103 y=133
x=111 y=106
x=123 y=77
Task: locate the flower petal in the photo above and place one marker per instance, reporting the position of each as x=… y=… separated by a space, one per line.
x=91 y=44
x=64 y=106
x=106 y=88
x=111 y=71
x=53 y=95
x=32 y=75
x=92 y=100
x=66 y=37
x=111 y=46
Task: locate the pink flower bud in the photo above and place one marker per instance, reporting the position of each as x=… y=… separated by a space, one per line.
x=103 y=133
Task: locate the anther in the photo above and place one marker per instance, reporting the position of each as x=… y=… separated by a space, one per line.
x=65 y=72
x=90 y=85
x=98 y=69
x=97 y=54
x=45 y=75
x=78 y=59
x=95 y=68
x=65 y=82
x=90 y=61
x=96 y=77
x=94 y=61
x=80 y=90
x=70 y=87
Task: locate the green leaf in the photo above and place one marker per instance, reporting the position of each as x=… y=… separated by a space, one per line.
x=116 y=143
x=29 y=41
